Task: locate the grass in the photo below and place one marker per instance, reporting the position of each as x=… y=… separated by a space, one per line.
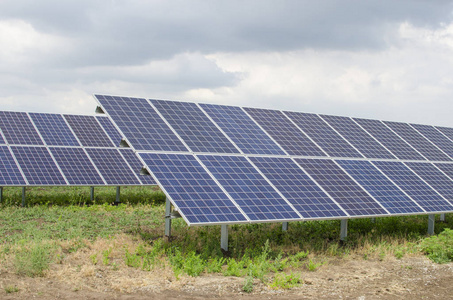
x=35 y=238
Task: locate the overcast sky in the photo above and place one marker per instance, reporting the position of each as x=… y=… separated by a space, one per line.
x=390 y=60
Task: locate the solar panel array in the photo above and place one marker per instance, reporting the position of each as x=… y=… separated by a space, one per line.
x=42 y=149
x=220 y=164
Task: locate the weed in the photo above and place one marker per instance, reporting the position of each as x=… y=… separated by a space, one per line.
x=11 y=289
x=94 y=259
x=439 y=248
x=33 y=260
x=105 y=256
x=285 y=281
x=215 y=265
x=248 y=284
x=399 y=254
x=312 y=266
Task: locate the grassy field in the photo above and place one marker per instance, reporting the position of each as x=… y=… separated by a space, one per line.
x=61 y=222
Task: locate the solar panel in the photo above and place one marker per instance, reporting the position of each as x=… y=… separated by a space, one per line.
x=412 y=185
x=389 y=139
x=358 y=137
x=347 y=193
x=112 y=166
x=54 y=129
x=324 y=136
x=136 y=166
x=302 y=192
x=380 y=187
x=76 y=166
x=446 y=131
x=254 y=195
x=435 y=178
x=435 y=136
x=194 y=127
x=139 y=122
x=38 y=166
x=416 y=140
x=197 y=196
x=18 y=129
x=88 y=130
x=446 y=168
x=2 y=140
x=284 y=132
x=112 y=132
x=244 y=132
x=9 y=171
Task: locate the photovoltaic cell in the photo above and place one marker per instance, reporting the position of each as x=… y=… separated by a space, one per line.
x=446 y=168
x=76 y=166
x=389 y=139
x=198 y=197
x=2 y=140
x=112 y=166
x=324 y=136
x=446 y=131
x=9 y=171
x=380 y=187
x=112 y=132
x=18 y=129
x=194 y=127
x=136 y=166
x=435 y=178
x=140 y=124
x=284 y=132
x=302 y=192
x=54 y=129
x=412 y=185
x=348 y=194
x=425 y=147
x=38 y=166
x=435 y=136
x=254 y=195
x=358 y=137
x=244 y=132
x=88 y=130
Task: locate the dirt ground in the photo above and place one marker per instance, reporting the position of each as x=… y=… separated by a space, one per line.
x=413 y=277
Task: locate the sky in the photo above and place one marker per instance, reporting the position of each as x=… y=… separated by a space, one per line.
x=389 y=60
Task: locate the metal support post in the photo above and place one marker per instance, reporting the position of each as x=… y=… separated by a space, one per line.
x=224 y=237
x=373 y=220
x=23 y=196
x=285 y=226
x=117 y=201
x=344 y=229
x=442 y=217
x=167 y=217
x=92 y=193
x=431 y=221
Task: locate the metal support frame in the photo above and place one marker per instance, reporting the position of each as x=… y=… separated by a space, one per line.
x=24 y=201
x=344 y=229
x=431 y=222
x=285 y=226
x=117 y=200
x=167 y=217
x=224 y=237
x=442 y=217
x=92 y=193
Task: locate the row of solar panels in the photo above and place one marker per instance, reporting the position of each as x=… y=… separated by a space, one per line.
x=40 y=149
x=157 y=125
x=258 y=165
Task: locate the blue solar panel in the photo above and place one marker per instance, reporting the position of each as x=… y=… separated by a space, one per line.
x=254 y=195
x=76 y=166
x=389 y=139
x=380 y=187
x=139 y=122
x=412 y=185
x=284 y=132
x=112 y=132
x=9 y=171
x=416 y=140
x=324 y=136
x=358 y=137
x=194 y=127
x=18 y=129
x=54 y=129
x=38 y=166
x=198 y=197
x=244 y=132
x=447 y=131
x=302 y=192
x=112 y=166
x=446 y=168
x=348 y=194
x=435 y=178
x=88 y=130
x=435 y=136
x=136 y=166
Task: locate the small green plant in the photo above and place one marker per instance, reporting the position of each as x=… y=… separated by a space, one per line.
x=215 y=265
x=439 y=248
x=312 y=266
x=32 y=261
x=94 y=259
x=399 y=254
x=105 y=256
x=285 y=281
x=248 y=284
x=9 y=289
x=234 y=268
